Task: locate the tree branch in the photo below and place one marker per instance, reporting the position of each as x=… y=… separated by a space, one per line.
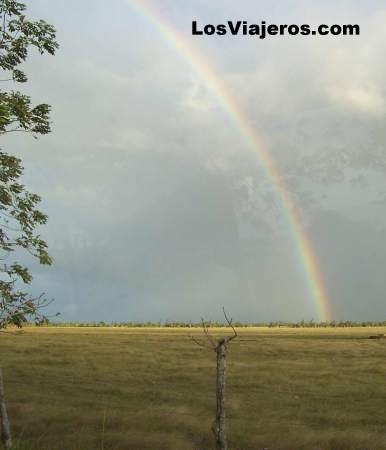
x=229 y=321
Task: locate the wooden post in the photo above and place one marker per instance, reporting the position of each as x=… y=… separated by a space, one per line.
x=220 y=347
x=5 y=427
x=218 y=427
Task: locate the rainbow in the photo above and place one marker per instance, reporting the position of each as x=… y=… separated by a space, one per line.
x=216 y=85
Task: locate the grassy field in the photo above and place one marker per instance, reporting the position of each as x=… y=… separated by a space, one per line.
x=153 y=389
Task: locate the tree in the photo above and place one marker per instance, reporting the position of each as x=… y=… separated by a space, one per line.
x=19 y=216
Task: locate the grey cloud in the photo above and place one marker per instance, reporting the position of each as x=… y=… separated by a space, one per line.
x=157 y=207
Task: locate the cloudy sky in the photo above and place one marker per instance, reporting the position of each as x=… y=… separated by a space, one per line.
x=157 y=208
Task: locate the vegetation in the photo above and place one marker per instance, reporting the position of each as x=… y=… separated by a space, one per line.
x=215 y=324
x=142 y=389
x=19 y=216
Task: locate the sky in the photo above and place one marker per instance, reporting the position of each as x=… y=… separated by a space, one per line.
x=159 y=211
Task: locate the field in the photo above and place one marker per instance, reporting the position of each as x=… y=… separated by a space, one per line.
x=153 y=389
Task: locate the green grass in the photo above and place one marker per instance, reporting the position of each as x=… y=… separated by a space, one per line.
x=153 y=389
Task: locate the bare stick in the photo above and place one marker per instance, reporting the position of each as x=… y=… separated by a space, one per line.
x=5 y=426
x=220 y=347
x=229 y=324
x=197 y=342
x=208 y=336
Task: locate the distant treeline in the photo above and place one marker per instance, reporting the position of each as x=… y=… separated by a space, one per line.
x=214 y=324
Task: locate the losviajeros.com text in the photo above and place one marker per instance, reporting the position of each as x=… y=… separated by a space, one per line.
x=263 y=30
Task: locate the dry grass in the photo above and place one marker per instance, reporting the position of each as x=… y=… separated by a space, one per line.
x=153 y=389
